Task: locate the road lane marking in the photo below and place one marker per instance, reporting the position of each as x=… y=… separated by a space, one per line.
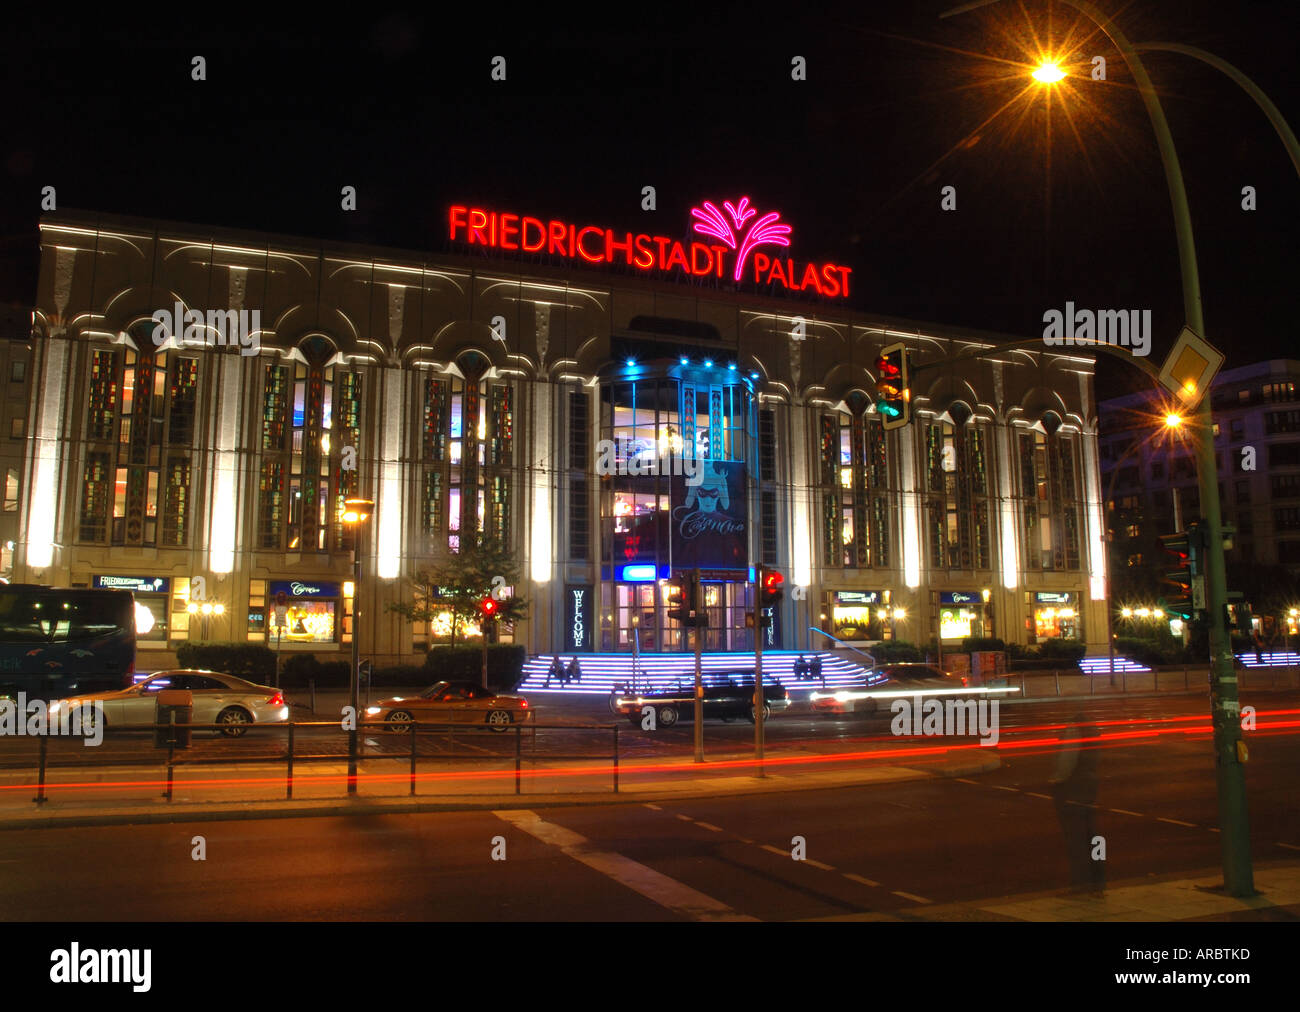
x=819 y=864
x=963 y=780
x=911 y=896
x=858 y=878
x=1176 y=822
x=1289 y=846
x=1013 y=790
x=685 y=818
x=653 y=885
x=1125 y=811
x=653 y=808
x=1045 y=797
x=775 y=850
x=711 y=827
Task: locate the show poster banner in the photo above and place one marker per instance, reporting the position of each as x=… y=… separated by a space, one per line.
x=709 y=519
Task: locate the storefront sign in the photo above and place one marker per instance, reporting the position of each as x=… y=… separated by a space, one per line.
x=735 y=235
x=302 y=588
x=960 y=597
x=1052 y=597
x=708 y=519
x=857 y=597
x=578 y=606
x=138 y=584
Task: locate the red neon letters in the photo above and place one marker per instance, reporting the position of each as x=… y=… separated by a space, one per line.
x=595 y=245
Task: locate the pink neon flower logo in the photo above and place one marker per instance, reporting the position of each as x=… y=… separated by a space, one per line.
x=764 y=232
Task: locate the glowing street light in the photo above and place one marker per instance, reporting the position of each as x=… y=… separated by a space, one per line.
x=355 y=513
x=1048 y=73
x=1173 y=420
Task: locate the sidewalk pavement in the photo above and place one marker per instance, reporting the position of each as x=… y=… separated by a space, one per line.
x=1198 y=898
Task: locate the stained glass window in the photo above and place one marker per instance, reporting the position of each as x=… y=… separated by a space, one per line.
x=176 y=512
x=182 y=393
x=103 y=396
x=95 y=493
x=270 y=517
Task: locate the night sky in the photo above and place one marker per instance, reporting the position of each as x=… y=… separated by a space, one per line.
x=1060 y=196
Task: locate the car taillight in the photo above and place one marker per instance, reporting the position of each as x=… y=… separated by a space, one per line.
x=965 y=680
x=523 y=704
x=276 y=700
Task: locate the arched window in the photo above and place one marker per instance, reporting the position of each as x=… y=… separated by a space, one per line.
x=1049 y=491
x=139 y=428
x=855 y=488
x=467 y=454
x=957 y=492
x=311 y=451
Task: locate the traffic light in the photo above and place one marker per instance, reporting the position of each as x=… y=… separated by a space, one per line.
x=1186 y=547
x=771 y=586
x=893 y=389
x=489 y=608
x=683 y=601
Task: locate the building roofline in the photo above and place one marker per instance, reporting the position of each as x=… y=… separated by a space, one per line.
x=581 y=277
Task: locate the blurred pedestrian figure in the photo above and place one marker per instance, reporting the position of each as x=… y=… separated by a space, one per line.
x=1259 y=645
x=801 y=668
x=573 y=673
x=555 y=671
x=1074 y=790
x=816 y=669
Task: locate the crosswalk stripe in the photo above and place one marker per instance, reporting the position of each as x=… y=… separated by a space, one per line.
x=653 y=885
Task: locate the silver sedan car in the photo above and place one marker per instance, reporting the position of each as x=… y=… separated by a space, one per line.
x=889 y=682
x=218 y=699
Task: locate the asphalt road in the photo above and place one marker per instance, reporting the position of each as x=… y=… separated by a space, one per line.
x=887 y=849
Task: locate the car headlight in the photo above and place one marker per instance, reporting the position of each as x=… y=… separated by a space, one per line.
x=372 y=710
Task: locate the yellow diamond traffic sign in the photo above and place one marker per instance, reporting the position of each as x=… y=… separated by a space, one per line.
x=1190 y=367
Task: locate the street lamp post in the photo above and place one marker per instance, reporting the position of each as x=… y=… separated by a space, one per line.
x=355 y=513
x=205 y=611
x=1225 y=708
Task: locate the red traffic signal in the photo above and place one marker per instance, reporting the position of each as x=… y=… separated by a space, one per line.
x=771 y=586
x=488 y=607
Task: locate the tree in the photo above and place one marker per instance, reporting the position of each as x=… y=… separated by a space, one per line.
x=457 y=584
x=1270 y=590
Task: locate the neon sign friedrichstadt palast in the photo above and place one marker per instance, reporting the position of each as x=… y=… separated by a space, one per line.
x=734 y=249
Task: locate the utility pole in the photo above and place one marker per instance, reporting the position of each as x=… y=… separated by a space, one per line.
x=1225 y=708
x=697 y=630
x=758 y=668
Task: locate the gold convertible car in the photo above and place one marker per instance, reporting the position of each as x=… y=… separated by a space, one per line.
x=452 y=702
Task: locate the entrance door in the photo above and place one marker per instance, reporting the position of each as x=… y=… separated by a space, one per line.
x=634 y=613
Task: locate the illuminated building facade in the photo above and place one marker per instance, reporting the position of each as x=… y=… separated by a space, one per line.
x=1155 y=485
x=610 y=425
